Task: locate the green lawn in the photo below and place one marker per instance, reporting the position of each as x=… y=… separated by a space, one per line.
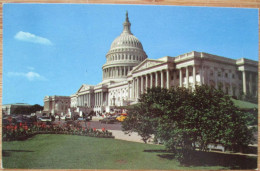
x=244 y=104
x=78 y=152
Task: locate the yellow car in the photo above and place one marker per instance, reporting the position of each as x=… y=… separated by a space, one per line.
x=121 y=118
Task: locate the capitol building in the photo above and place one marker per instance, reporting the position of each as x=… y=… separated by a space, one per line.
x=128 y=72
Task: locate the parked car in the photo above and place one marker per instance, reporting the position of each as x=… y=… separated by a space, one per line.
x=122 y=117
x=45 y=119
x=108 y=120
x=88 y=118
x=67 y=119
x=80 y=119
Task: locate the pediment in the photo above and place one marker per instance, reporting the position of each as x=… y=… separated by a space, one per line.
x=148 y=63
x=84 y=87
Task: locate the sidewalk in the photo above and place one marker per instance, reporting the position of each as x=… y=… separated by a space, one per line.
x=134 y=137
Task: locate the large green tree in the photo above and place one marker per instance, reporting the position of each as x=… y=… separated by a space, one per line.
x=184 y=120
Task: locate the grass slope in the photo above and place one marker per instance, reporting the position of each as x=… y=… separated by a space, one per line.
x=78 y=152
x=244 y=105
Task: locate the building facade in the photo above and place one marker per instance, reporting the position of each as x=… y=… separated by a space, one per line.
x=56 y=104
x=8 y=109
x=128 y=72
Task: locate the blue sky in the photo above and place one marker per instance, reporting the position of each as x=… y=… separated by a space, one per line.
x=52 y=49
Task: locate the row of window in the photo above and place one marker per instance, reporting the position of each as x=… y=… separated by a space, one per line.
x=125 y=57
x=220 y=74
x=129 y=43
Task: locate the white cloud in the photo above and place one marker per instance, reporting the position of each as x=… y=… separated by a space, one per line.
x=29 y=37
x=29 y=75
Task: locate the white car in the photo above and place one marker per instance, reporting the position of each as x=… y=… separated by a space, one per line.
x=45 y=119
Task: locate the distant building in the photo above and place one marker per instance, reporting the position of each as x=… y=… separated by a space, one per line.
x=56 y=104
x=8 y=109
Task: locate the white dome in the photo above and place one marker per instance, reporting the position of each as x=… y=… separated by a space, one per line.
x=126 y=52
x=126 y=41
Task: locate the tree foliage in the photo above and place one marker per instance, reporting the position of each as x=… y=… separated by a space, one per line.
x=27 y=110
x=185 y=120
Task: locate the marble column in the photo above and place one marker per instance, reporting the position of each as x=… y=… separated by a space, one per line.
x=128 y=93
x=95 y=98
x=194 y=76
x=142 y=84
x=89 y=104
x=187 y=77
x=102 y=100
x=250 y=83
x=216 y=78
x=201 y=79
x=151 y=80
x=174 y=72
x=80 y=100
x=98 y=98
x=146 y=82
x=180 y=77
x=167 y=79
x=86 y=99
x=156 y=79
x=133 y=88
x=162 y=80
x=114 y=72
x=138 y=87
x=244 y=82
